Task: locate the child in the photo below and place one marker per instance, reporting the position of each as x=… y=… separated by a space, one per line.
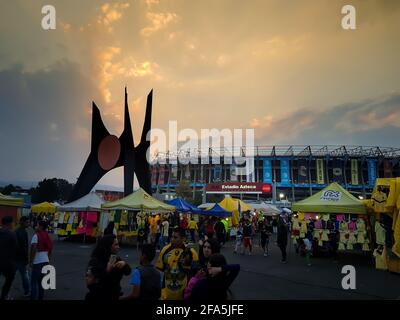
x=308 y=250
x=146 y=279
x=238 y=243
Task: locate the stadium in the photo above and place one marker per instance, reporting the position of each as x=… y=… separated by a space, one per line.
x=289 y=173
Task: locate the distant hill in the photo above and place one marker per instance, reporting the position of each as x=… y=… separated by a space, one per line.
x=22 y=184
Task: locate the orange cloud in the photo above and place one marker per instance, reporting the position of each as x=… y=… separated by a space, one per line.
x=108 y=70
x=158 y=21
x=111 y=14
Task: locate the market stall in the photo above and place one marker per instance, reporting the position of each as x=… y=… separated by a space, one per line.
x=182 y=205
x=333 y=217
x=129 y=214
x=80 y=217
x=10 y=206
x=266 y=208
x=216 y=211
x=236 y=206
x=44 y=207
x=385 y=205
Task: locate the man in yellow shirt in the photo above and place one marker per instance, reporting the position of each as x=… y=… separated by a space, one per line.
x=193 y=228
x=175 y=261
x=153 y=220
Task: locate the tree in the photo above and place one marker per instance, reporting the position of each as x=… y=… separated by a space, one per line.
x=7 y=190
x=183 y=190
x=51 y=190
x=46 y=190
x=64 y=189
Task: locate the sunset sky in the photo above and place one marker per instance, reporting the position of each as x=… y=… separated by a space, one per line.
x=285 y=68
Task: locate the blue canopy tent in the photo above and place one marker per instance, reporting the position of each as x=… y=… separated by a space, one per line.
x=216 y=211
x=184 y=206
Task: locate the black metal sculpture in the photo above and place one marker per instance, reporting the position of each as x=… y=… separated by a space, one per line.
x=109 y=152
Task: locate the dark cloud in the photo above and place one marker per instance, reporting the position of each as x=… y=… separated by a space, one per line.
x=45 y=121
x=370 y=122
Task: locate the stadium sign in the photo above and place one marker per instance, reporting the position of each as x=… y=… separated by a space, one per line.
x=238 y=187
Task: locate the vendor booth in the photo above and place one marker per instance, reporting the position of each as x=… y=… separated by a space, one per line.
x=182 y=205
x=216 y=211
x=129 y=214
x=10 y=206
x=333 y=218
x=266 y=208
x=80 y=217
x=44 y=207
x=385 y=205
x=236 y=206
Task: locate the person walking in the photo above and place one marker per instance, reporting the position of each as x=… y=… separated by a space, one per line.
x=192 y=229
x=22 y=256
x=105 y=270
x=164 y=233
x=220 y=232
x=209 y=228
x=308 y=249
x=247 y=234
x=282 y=237
x=265 y=234
x=41 y=249
x=8 y=248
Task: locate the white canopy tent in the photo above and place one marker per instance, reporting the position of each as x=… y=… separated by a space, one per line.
x=91 y=202
x=265 y=208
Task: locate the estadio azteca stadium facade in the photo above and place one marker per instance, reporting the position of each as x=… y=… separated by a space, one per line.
x=293 y=172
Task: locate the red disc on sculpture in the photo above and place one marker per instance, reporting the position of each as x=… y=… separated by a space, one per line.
x=109 y=151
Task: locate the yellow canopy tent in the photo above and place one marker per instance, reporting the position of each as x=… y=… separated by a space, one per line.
x=10 y=206
x=139 y=200
x=235 y=206
x=44 y=207
x=9 y=201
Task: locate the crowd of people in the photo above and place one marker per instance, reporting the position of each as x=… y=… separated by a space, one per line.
x=179 y=271
x=15 y=255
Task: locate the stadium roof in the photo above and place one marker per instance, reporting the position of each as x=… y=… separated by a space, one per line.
x=290 y=150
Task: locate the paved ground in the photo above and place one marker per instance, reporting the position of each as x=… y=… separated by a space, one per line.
x=260 y=277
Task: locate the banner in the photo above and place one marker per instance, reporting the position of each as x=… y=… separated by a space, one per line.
x=320 y=171
x=233 y=175
x=371 y=172
x=354 y=172
x=303 y=171
x=337 y=170
x=154 y=175
x=250 y=170
x=161 y=175
x=174 y=174
x=285 y=174
x=387 y=169
x=217 y=173
x=201 y=177
x=187 y=173
x=267 y=171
